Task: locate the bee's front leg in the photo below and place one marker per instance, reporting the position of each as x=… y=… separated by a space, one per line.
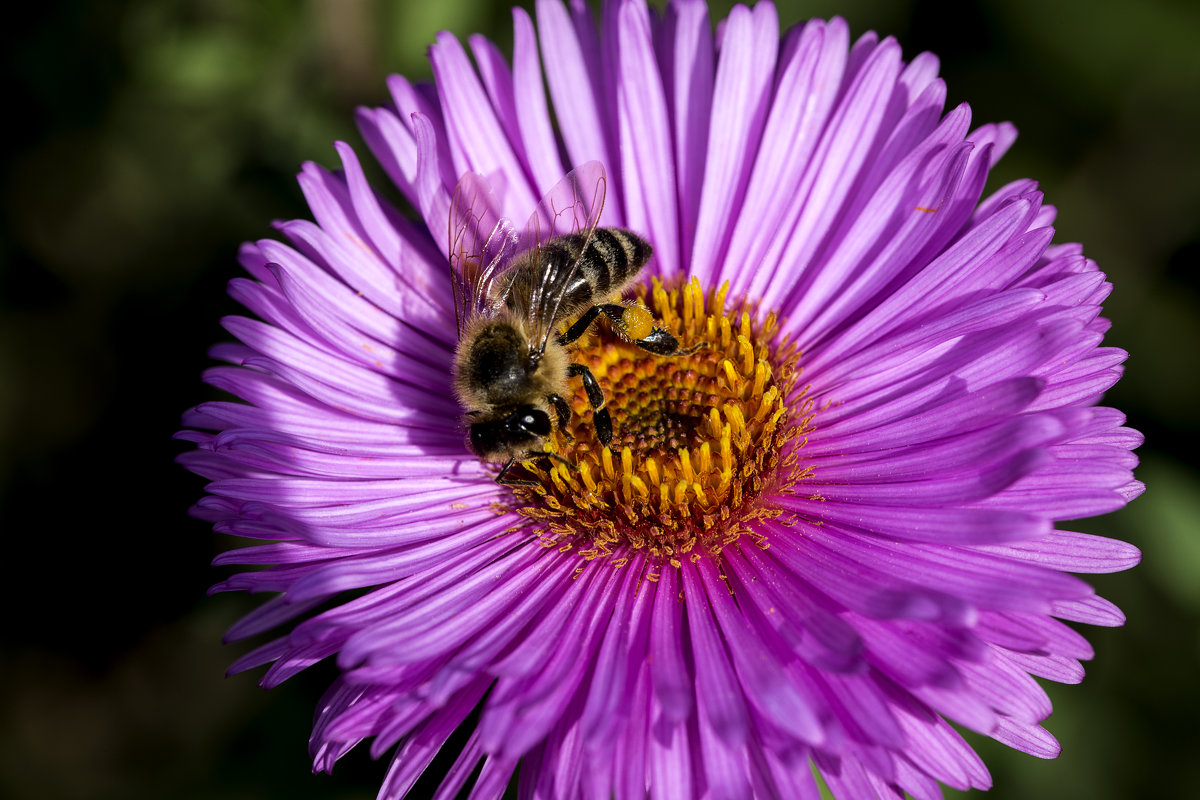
x=601 y=419
x=562 y=410
x=500 y=479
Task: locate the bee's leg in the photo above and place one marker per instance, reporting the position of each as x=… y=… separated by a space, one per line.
x=558 y=458
x=636 y=324
x=562 y=410
x=512 y=481
x=601 y=419
x=663 y=343
x=536 y=454
x=581 y=325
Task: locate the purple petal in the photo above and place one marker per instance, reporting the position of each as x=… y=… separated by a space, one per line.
x=647 y=159
x=740 y=98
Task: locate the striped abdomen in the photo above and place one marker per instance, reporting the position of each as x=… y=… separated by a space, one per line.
x=611 y=260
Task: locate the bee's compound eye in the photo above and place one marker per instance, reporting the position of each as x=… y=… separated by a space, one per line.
x=536 y=422
x=482 y=439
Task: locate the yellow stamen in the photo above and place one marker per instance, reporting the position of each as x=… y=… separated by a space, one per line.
x=685 y=462
x=747 y=352
x=717 y=308
x=698 y=438
x=640 y=486
x=726 y=455
x=732 y=379
x=761 y=372
x=585 y=473
x=651 y=467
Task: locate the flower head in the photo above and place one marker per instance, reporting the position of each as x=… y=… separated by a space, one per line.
x=824 y=529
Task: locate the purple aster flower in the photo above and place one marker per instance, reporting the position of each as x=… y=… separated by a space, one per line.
x=821 y=539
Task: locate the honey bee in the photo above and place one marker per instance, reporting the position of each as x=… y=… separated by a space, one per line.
x=513 y=294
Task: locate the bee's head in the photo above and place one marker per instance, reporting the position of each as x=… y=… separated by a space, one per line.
x=522 y=430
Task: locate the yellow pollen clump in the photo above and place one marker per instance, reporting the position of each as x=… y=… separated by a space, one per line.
x=698 y=438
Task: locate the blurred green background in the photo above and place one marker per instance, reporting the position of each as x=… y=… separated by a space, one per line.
x=147 y=139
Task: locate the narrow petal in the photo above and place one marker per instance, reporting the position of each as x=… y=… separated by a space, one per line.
x=647 y=154
x=740 y=102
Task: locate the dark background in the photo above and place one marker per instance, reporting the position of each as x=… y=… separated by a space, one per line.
x=146 y=139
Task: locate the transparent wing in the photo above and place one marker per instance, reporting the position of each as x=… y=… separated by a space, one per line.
x=482 y=243
x=572 y=206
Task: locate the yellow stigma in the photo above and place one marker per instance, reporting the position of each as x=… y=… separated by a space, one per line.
x=697 y=438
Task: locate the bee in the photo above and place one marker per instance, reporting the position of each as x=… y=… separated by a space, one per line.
x=513 y=294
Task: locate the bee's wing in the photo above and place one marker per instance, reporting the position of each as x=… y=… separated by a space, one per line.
x=481 y=244
x=573 y=205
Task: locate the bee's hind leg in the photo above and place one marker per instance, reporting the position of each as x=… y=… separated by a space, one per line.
x=581 y=325
x=635 y=323
x=663 y=343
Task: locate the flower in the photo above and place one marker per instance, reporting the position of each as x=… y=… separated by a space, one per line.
x=819 y=539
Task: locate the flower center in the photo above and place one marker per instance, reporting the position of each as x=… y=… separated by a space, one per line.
x=697 y=438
